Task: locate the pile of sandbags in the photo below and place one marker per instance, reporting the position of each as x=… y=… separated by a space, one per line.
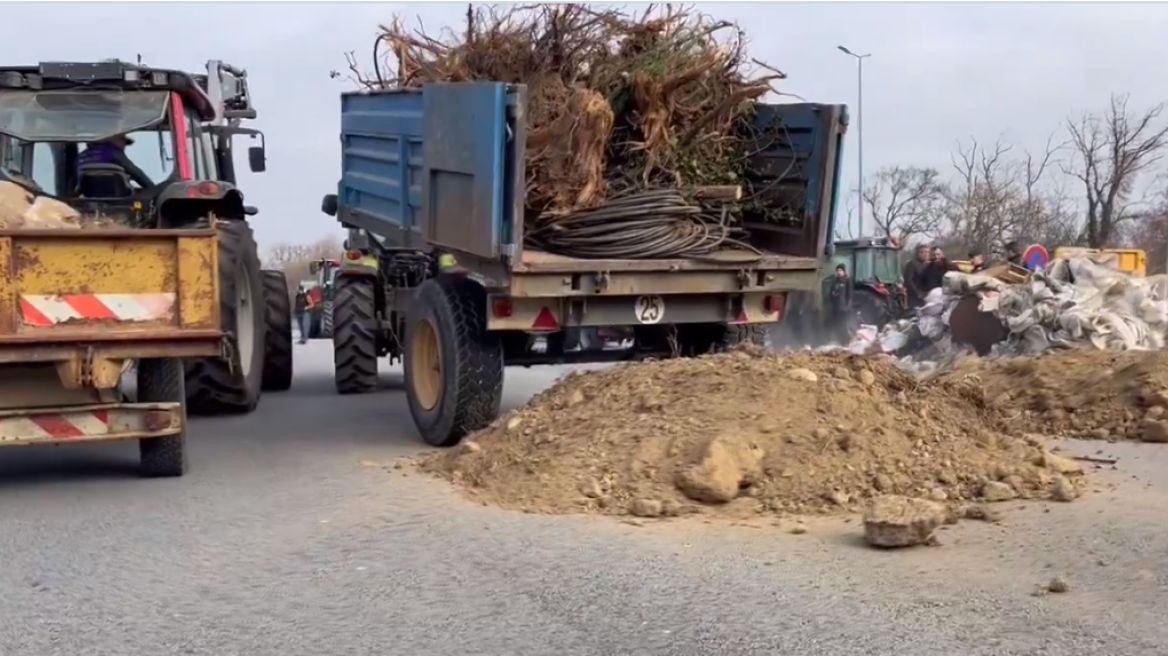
x=21 y=209
x=1075 y=302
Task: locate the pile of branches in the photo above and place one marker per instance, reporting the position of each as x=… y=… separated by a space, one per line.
x=617 y=103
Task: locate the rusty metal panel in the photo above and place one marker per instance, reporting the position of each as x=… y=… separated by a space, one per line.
x=107 y=285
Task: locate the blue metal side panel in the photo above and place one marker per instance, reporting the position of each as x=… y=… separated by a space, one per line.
x=464 y=177
x=381 y=163
x=798 y=164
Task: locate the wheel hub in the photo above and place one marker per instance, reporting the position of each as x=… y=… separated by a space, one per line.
x=426 y=365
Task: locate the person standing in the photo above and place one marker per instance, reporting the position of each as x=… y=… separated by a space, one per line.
x=912 y=273
x=841 y=304
x=934 y=273
x=300 y=310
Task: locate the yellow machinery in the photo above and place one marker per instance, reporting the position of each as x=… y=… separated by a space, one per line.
x=75 y=306
x=1129 y=260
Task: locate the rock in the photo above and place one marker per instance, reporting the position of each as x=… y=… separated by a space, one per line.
x=805 y=375
x=996 y=491
x=513 y=423
x=591 y=488
x=798 y=529
x=646 y=508
x=1063 y=490
x=1154 y=412
x=576 y=398
x=1058 y=585
x=470 y=446
x=895 y=521
x=722 y=467
x=1060 y=465
x=866 y=377
x=1152 y=430
x=937 y=494
x=842 y=373
x=981 y=513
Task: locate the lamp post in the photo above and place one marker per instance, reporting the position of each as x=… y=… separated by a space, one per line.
x=859 y=133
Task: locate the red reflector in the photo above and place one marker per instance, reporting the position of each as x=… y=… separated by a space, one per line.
x=545 y=321
x=209 y=189
x=775 y=303
x=353 y=256
x=501 y=307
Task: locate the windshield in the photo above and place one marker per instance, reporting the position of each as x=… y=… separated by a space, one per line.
x=79 y=115
x=878 y=264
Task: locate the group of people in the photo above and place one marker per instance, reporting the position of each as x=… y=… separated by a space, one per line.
x=927 y=270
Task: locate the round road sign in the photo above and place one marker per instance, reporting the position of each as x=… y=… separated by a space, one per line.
x=1035 y=257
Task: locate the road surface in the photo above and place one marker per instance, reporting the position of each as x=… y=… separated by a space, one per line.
x=287 y=540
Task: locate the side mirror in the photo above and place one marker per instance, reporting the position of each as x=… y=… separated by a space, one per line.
x=250 y=210
x=328 y=204
x=256 y=159
x=314 y=267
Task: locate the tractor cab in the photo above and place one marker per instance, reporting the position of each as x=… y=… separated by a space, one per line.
x=126 y=141
x=874 y=266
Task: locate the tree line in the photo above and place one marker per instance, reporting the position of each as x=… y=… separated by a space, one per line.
x=1099 y=181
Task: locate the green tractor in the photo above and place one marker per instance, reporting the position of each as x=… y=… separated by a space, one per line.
x=878 y=294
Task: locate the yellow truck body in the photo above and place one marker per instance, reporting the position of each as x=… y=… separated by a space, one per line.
x=1129 y=260
x=77 y=306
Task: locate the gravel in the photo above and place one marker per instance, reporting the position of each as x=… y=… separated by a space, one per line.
x=294 y=536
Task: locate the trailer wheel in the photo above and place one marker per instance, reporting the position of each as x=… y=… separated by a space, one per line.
x=743 y=333
x=453 y=366
x=215 y=385
x=355 y=336
x=703 y=338
x=278 y=323
x=161 y=381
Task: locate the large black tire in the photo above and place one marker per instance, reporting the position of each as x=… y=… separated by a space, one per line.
x=355 y=336
x=214 y=385
x=703 y=338
x=470 y=362
x=278 y=323
x=161 y=381
x=326 y=320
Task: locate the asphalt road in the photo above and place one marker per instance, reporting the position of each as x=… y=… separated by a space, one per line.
x=287 y=539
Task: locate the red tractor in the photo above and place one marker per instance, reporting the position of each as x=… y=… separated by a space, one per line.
x=320 y=290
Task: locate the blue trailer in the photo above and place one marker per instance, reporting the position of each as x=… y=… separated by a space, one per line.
x=436 y=273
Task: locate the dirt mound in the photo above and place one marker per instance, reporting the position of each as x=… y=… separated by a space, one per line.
x=745 y=432
x=1083 y=393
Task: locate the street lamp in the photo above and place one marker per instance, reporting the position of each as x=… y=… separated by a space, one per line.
x=859 y=132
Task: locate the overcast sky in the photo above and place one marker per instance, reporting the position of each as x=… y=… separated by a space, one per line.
x=938 y=72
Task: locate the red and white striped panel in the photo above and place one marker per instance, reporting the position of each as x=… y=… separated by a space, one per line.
x=53 y=427
x=46 y=310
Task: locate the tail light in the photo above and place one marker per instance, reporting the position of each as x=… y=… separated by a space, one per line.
x=775 y=303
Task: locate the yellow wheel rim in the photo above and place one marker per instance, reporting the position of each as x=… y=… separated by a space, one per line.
x=426 y=372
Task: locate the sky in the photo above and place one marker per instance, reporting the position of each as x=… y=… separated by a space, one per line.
x=939 y=72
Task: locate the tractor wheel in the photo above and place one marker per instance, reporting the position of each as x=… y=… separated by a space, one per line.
x=215 y=385
x=326 y=320
x=278 y=323
x=355 y=336
x=871 y=308
x=453 y=366
x=161 y=381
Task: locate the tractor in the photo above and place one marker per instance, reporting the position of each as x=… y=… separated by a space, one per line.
x=162 y=157
x=878 y=294
x=321 y=291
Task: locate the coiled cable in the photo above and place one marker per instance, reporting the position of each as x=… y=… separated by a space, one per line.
x=662 y=224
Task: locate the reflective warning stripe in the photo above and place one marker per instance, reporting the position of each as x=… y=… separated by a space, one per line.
x=56 y=426
x=49 y=310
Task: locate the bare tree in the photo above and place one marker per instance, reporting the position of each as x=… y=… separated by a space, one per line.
x=1002 y=193
x=906 y=201
x=1113 y=151
x=295 y=259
